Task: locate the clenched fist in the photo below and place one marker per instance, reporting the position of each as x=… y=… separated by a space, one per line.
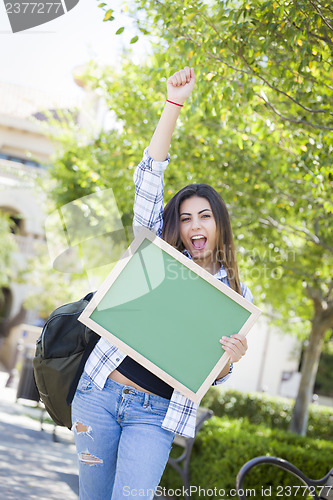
x=180 y=85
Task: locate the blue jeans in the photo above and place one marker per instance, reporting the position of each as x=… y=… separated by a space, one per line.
x=121 y=445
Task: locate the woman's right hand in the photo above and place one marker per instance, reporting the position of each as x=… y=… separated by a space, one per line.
x=180 y=85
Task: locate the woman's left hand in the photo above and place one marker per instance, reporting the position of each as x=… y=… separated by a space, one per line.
x=235 y=346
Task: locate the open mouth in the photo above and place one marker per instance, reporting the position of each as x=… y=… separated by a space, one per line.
x=198 y=242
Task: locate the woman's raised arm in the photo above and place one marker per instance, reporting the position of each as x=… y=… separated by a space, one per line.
x=179 y=88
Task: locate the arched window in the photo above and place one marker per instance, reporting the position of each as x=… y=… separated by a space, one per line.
x=16 y=218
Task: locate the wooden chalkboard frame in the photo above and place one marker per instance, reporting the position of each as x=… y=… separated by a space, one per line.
x=145 y=235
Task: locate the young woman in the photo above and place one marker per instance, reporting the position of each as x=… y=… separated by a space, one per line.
x=124 y=417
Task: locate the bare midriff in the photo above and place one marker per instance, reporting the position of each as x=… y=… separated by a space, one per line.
x=121 y=379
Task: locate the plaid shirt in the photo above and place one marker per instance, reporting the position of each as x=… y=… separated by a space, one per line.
x=148 y=211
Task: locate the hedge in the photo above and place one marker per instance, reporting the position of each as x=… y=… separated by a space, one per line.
x=272 y=411
x=223 y=446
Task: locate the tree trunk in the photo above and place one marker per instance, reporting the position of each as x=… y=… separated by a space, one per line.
x=309 y=370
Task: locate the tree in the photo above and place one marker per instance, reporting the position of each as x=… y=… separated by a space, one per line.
x=7 y=249
x=259 y=129
x=271 y=62
x=324 y=379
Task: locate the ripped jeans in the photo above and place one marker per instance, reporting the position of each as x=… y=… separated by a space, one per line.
x=121 y=445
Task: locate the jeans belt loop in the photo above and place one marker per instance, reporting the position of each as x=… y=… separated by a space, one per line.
x=146 y=400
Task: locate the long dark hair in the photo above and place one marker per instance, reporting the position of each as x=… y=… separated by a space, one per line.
x=225 y=248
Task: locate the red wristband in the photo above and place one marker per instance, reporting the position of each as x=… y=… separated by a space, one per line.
x=176 y=103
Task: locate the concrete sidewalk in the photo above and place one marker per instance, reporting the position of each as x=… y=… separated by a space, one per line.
x=32 y=465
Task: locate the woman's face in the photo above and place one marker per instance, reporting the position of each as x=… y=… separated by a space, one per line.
x=198 y=231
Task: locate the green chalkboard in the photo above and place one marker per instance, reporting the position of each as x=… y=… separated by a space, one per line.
x=169 y=314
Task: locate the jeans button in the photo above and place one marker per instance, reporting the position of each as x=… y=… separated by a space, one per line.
x=126 y=391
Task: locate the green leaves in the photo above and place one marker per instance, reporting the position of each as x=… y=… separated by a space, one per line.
x=108 y=15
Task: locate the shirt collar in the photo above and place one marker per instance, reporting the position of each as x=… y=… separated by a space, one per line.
x=221 y=273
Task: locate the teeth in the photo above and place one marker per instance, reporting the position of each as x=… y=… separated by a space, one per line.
x=197 y=237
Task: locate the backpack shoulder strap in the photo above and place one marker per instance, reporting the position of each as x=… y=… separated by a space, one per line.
x=89 y=348
x=89 y=296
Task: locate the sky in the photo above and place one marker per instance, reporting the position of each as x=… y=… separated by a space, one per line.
x=45 y=56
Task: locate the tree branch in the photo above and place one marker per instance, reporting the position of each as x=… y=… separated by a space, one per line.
x=212 y=56
x=276 y=89
x=330 y=288
x=295 y=230
x=323 y=310
x=260 y=77
x=293 y=120
x=321 y=15
x=298 y=272
x=316 y=296
x=311 y=33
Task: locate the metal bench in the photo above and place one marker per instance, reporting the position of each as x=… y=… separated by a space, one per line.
x=322 y=486
x=182 y=463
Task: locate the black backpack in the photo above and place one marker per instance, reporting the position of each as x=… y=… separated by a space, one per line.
x=61 y=353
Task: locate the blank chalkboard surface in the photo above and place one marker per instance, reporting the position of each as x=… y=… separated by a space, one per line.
x=168 y=314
